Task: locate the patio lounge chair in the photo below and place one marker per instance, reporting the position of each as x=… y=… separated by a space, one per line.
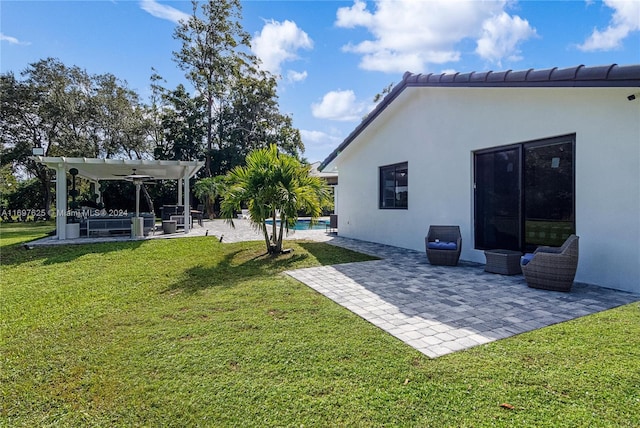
x=443 y=245
x=552 y=268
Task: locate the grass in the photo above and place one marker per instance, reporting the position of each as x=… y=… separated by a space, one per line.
x=192 y=332
x=14 y=233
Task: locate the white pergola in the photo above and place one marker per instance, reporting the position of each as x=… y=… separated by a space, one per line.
x=96 y=170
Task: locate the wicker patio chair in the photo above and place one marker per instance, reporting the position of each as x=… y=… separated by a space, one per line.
x=443 y=245
x=552 y=268
x=332 y=226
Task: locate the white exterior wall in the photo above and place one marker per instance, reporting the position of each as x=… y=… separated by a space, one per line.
x=436 y=131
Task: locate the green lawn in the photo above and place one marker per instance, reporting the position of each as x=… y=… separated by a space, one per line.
x=192 y=332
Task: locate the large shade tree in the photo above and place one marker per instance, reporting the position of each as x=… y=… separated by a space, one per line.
x=209 y=55
x=250 y=120
x=273 y=186
x=179 y=129
x=239 y=99
x=67 y=112
x=176 y=131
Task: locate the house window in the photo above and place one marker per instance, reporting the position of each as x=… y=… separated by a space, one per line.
x=525 y=194
x=394 y=189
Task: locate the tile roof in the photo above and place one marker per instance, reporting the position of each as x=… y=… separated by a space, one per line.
x=581 y=76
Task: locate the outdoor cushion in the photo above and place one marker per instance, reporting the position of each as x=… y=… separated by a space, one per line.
x=442 y=246
x=526 y=258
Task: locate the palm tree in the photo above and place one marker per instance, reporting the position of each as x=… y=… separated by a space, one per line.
x=274 y=186
x=208 y=189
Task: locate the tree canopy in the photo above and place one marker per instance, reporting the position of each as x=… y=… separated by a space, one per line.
x=240 y=100
x=67 y=112
x=230 y=108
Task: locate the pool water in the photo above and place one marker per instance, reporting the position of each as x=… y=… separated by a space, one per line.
x=304 y=225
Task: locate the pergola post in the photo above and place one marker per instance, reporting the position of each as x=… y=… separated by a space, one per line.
x=187 y=206
x=61 y=201
x=179 y=191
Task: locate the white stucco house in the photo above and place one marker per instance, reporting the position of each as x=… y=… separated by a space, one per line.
x=517 y=159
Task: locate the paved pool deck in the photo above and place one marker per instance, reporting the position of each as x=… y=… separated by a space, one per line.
x=435 y=309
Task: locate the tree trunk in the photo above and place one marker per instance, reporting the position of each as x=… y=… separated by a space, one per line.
x=45 y=182
x=266 y=237
x=274 y=228
x=209 y=138
x=279 y=243
x=46 y=187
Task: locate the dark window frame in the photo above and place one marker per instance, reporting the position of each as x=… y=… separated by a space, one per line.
x=388 y=196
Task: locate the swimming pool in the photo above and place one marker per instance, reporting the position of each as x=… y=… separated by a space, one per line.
x=304 y=224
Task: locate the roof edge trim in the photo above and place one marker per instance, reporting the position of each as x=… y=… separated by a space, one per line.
x=580 y=76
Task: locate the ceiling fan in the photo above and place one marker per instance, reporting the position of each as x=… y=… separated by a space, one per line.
x=137 y=178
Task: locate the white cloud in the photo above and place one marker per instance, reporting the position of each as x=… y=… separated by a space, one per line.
x=318 y=144
x=339 y=105
x=12 y=40
x=163 y=11
x=355 y=16
x=296 y=76
x=410 y=34
x=279 y=42
x=319 y=139
x=501 y=35
x=625 y=20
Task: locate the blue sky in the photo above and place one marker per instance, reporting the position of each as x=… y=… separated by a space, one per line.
x=332 y=56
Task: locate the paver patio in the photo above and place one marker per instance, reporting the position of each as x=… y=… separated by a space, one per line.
x=439 y=310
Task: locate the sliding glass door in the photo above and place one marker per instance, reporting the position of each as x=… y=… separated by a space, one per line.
x=549 y=197
x=525 y=194
x=498 y=198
